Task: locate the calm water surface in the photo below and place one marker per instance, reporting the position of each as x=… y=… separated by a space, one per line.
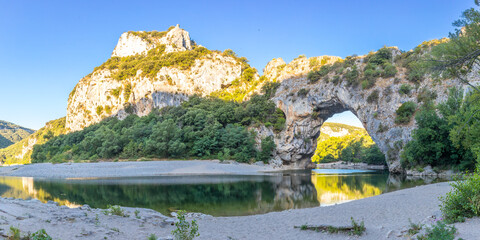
x=215 y=195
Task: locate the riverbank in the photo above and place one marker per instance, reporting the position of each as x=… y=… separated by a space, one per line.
x=386 y=216
x=350 y=165
x=135 y=169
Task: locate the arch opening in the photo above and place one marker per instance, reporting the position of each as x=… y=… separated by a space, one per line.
x=342 y=139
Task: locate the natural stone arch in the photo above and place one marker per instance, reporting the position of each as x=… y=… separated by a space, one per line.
x=306 y=112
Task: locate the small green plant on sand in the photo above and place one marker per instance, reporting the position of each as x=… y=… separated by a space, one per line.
x=14 y=233
x=439 y=231
x=137 y=214
x=358 y=229
x=41 y=235
x=185 y=230
x=152 y=237
x=414 y=228
x=115 y=210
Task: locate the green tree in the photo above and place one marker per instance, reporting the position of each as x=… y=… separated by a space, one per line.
x=457 y=57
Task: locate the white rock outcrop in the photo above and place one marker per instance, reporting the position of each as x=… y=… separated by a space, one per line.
x=98 y=96
x=131 y=43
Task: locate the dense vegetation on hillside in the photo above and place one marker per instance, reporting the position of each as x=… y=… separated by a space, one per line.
x=448 y=134
x=11 y=133
x=200 y=128
x=378 y=64
x=355 y=146
x=16 y=154
x=443 y=139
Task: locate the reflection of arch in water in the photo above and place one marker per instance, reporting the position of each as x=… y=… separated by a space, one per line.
x=343 y=188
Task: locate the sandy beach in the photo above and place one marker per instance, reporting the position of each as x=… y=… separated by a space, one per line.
x=386 y=216
x=134 y=169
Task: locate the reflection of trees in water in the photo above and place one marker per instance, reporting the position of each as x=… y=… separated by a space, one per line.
x=333 y=189
x=23 y=188
x=220 y=199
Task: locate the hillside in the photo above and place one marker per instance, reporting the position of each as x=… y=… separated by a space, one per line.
x=346 y=143
x=20 y=152
x=331 y=129
x=11 y=133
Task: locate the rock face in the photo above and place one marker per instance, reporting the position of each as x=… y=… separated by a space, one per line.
x=99 y=95
x=131 y=43
x=308 y=105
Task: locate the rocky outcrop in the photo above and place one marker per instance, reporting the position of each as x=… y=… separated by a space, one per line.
x=308 y=105
x=131 y=43
x=99 y=95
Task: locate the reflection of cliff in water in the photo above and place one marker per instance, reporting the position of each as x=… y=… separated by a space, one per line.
x=214 y=195
x=24 y=188
x=333 y=189
x=219 y=196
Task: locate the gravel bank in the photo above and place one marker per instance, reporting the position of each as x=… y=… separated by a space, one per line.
x=386 y=217
x=133 y=169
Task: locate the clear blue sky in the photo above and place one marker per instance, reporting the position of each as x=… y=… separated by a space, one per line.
x=47 y=46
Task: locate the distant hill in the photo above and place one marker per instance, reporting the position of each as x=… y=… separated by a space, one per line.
x=330 y=129
x=11 y=133
x=346 y=143
x=20 y=152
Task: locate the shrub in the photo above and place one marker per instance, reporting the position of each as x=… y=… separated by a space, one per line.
x=382 y=128
x=108 y=109
x=405 y=89
x=358 y=229
x=270 y=88
x=405 y=113
x=115 y=210
x=127 y=91
x=389 y=70
x=185 y=230
x=116 y=92
x=267 y=146
x=336 y=79
x=41 y=235
x=303 y=92
x=463 y=200
x=352 y=76
x=152 y=237
x=314 y=76
x=314 y=63
x=439 y=231
x=99 y=110
x=426 y=95
x=368 y=83
x=14 y=233
x=373 y=97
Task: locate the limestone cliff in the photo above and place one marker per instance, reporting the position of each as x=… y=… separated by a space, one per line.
x=149 y=70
